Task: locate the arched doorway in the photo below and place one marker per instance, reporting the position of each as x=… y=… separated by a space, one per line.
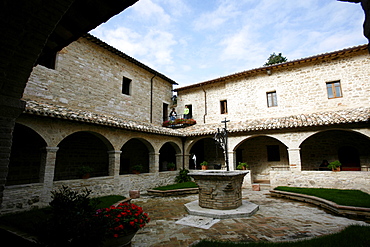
x=135 y=153
x=81 y=151
x=25 y=156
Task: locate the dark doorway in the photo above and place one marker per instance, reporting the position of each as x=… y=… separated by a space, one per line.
x=167 y=154
x=349 y=158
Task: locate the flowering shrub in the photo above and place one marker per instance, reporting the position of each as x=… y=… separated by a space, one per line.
x=179 y=121
x=123 y=219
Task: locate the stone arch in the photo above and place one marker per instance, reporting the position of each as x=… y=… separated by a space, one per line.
x=135 y=151
x=205 y=149
x=25 y=156
x=80 y=150
x=168 y=154
x=349 y=147
x=263 y=153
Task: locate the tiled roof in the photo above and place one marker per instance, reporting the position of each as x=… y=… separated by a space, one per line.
x=347 y=116
x=62 y=112
x=277 y=66
x=294 y=121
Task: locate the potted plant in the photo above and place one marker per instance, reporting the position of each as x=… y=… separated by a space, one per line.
x=204 y=165
x=171 y=166
x=242 y=166
x=137 y=169
x=335 y=165
x=85 y=171
x=122 y=222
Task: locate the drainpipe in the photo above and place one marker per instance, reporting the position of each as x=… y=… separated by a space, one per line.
x=183 y=152
x=151 y=98
x=205 y=105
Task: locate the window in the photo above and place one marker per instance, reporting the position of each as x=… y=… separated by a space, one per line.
x=334 y=89
x=271 y=99
x=223 y=104
x=48 y=59
x=165 y=112
x=126 y=83
x=273 y=153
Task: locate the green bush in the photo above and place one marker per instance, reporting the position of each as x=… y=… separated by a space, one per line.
x=183 y=176
x=334 y=165
x=71 y=220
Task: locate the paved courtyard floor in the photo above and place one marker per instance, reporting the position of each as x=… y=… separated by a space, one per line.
x=276 y=220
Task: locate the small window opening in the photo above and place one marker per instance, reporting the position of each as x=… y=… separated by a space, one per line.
x=126 y=83
x=223 y=105
x=48 y=59
x=273 y=153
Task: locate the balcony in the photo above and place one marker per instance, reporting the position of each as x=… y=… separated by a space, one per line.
x=179 y=122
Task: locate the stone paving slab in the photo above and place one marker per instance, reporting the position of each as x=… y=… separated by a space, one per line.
x=276 y=220
x=198 y=221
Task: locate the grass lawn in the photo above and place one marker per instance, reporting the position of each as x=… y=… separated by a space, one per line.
x=184 y=185
x=351 y=236
x=354 y=198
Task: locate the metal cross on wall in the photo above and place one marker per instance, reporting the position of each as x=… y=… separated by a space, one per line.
x=221 y=139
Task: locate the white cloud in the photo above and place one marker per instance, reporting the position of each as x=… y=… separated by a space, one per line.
x=193 y=41
x=215 y=19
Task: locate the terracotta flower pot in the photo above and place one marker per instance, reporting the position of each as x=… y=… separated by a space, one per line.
x=120 y=241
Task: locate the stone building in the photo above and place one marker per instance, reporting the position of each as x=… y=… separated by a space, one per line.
x=96 y=106
x=285 y=119
x=34 y=31
x=93 y=108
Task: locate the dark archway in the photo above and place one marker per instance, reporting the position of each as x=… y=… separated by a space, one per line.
x=263 y=154
x=206 y=149
x=78 y=151
x=349 y=147
x=25 y=156
x=134 y=152
x=167 y=154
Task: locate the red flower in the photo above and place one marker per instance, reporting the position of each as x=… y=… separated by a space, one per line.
x=124 y=218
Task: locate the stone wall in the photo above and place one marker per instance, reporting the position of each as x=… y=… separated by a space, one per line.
x=89 y=77
x=300 y=89
x=25 y=197
x=322 y=179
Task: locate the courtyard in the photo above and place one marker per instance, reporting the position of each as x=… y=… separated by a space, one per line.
x=276 y=220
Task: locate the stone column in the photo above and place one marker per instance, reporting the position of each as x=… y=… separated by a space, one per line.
x=186 y=161
x=114 y=162
x=153 y=162
x=294 y=159
x=179 y=161
x=47 y=171
x=232 y=161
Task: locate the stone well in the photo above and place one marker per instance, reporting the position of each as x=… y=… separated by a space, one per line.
x=220 y=190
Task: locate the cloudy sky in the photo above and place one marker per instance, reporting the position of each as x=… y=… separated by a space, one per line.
x=192 y=41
